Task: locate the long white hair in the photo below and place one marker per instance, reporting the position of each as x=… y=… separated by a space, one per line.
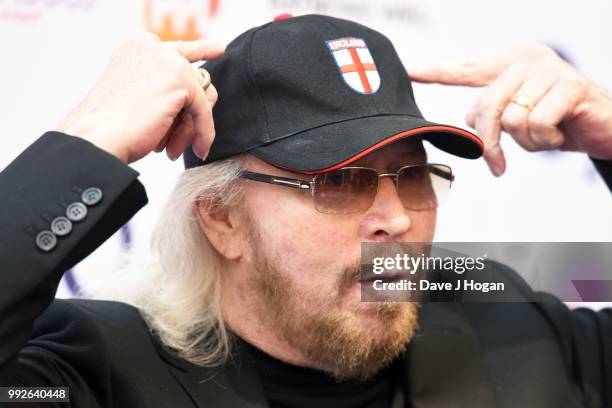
x=179 y=294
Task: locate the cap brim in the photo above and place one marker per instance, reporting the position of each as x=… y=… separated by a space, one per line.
x=336 y=145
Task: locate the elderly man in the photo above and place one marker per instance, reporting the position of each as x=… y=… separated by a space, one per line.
x=255 y=300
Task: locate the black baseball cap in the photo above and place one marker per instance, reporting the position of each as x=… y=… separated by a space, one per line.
x=314 y=93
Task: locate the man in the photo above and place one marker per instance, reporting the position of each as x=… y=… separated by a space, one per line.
x=255 y=301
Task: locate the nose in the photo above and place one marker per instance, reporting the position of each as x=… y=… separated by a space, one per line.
x=387 y=219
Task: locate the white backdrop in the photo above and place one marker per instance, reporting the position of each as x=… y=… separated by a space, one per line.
x=53 y=51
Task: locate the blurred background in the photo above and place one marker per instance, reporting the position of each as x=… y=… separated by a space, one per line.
x=54 y=50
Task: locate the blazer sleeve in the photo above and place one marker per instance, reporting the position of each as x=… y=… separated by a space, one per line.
x=585 y=338
x=39 y=192
x=604 y=167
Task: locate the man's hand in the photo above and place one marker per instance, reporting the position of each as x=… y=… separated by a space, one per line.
x=568 y=112
x=149 y=98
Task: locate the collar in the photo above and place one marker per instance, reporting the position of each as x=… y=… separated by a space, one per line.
x=235 y=384
x=443 y=366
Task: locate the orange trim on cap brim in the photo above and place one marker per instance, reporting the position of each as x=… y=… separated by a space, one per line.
x=411 y=132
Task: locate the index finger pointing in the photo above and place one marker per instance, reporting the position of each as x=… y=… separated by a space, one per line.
x=198 y=50
x=467 y=73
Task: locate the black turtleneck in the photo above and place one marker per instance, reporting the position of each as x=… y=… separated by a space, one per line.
x=290 y=386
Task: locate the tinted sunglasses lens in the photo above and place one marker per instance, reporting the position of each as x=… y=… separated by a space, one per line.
x=424 y=187
x=345 y=191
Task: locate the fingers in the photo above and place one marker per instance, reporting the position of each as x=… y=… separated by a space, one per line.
x=194 y=122
x=530 y=76
x=164 y=141
x=199 y=107
x=185 y=134
x=496 y=159
x=197 y=50
x=477 y=73
x=211 y=95
x=201 y=113
x=486 y=114
x=481 y=72
x=539 y=128
x=550 y=87
x=470 y=73
x=548 y=114
x=155 y=82
x=196 y=126
x=536 y=128
x=516 y=118
x=181 y=138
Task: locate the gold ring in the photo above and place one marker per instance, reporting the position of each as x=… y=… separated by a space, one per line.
x=205 y=81
x=523 y=101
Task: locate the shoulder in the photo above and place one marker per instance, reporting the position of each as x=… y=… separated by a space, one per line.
x=88 y=312
x=97 y=323
x=102 y=350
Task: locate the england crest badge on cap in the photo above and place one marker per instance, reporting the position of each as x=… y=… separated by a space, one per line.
x=355 y=64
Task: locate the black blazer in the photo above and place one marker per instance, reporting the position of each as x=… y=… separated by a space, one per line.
x=533 y=354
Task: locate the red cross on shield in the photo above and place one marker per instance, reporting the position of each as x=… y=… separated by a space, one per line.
x=355 y=64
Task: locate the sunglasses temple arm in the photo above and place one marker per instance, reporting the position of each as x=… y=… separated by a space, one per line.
x=442 y=173
x=282 y=181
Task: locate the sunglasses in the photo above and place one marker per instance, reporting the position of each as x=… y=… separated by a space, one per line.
x=353 y=189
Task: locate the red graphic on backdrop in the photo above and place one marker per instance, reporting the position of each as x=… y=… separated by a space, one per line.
x=171 y=29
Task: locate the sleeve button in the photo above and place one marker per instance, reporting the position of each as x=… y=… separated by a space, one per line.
x=91 y=196
x=46 y=240
x=61 y=226
x=76 y=212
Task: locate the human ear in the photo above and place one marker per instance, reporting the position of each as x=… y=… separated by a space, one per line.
x=221 y=226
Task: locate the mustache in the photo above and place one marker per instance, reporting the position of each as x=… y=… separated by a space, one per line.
x=353 y=273
x=349 y=276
